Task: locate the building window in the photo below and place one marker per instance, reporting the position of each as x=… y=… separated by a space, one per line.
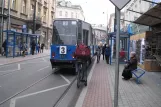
x=71 y=14
x=60 y=13
x=44 y=15
x=13 y=4
x=39 y=11
x=24 y=6
x=32 y=7
x=66 y=14
x=52 y=17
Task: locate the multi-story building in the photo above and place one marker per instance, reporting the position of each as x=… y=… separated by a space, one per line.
x=100 y=33
x=111 y=22
x=65 y=9
x=137 y=7
x=21 y=12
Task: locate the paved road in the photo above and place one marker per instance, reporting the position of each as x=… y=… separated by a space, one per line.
x=32 y=83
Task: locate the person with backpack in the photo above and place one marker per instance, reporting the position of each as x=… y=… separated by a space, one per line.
x=82 y=55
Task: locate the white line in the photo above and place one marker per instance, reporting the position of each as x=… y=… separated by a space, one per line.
x=65 y=79
x=39 y=92
x=43 y=68
x=44 y=59
x=13 y=102
x=10 y=70
x=33 y=62
x=19 y=67
x=84 y=91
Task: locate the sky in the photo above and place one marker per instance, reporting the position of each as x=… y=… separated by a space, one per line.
x=96 y=11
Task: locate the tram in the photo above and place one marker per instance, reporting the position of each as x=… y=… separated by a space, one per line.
x=67 y=33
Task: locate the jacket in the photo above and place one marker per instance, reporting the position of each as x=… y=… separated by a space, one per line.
x=108 y=51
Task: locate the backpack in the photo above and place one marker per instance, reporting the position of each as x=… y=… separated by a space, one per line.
x=82 y=52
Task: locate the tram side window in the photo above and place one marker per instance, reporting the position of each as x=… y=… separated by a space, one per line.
x=79 y=33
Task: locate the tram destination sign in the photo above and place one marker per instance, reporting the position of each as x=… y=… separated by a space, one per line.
x=120 y=3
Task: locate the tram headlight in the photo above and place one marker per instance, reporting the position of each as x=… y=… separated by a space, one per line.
x=73 y=55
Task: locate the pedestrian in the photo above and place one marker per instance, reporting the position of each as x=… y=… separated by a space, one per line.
x=42 y=47
x=107 y=53
x=24 y=49
x=103 y=51
x=130 y=66
x=98 y=50
x=33 y=45
x=38 y=47
x=4 y=45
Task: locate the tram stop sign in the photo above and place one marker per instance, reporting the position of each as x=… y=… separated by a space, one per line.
x=120 y=3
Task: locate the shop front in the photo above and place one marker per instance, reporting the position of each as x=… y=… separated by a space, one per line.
x=148 y=44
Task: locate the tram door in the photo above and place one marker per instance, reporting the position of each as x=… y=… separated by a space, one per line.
x=85 y=37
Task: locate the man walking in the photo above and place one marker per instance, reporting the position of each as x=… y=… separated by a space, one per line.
x=107 y=53
x=103 y=51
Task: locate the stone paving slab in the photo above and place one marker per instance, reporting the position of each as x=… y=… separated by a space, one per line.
x=4 y=60
x=100 y=90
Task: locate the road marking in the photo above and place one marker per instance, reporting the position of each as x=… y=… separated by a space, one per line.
x=9 y=70
x=19 y=67
x=81 y=98
x=13 y=101
x=33 y=62
x=43 y=68
x=65 y=79
x=44 y=59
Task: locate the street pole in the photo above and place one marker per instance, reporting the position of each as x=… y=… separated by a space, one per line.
x=34 y=18
x=117 y=57
x=9 y=16
x=1 y=26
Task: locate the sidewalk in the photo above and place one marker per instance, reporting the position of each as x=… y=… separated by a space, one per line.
x=100 y=90
x=9 y=60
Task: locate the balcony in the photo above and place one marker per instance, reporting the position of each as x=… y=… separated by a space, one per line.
x=30 y=22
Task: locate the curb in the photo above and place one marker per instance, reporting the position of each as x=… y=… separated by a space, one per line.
x=24 y=60
x=81 y=98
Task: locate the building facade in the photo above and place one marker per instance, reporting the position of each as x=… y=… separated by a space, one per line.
x=21 y=12
x=111 y=22
x=65 y=9
x=100 y=33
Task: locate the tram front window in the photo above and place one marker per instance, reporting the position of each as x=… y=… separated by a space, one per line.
x=64 y=32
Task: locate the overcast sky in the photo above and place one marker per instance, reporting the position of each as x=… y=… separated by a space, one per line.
x=94 y=9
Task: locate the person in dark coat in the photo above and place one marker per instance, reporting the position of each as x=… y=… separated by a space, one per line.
x=33 y=45
x=130 y=66
x=103 y=51
x=4 y=45
x=42 y=47
x=107 y=54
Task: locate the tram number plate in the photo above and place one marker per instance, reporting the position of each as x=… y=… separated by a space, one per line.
x=63 y=50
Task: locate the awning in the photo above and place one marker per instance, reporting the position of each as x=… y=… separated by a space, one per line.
x=150 y=18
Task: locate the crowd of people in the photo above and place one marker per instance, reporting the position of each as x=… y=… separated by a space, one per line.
x=23 y=47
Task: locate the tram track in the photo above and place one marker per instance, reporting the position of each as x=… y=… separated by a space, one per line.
x=18 y=93
x=58 y=101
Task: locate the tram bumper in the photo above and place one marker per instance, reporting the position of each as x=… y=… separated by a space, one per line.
x=62 y=63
